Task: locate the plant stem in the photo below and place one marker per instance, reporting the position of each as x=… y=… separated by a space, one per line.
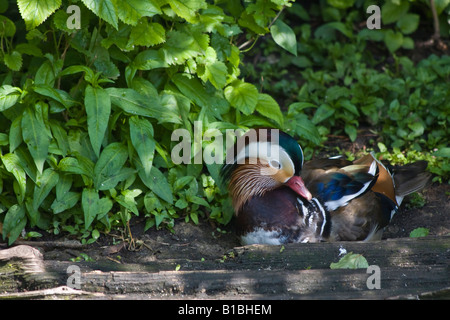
x=437 y=32
x=246 y=43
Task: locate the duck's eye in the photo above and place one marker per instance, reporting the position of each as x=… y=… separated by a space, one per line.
x=275 y=164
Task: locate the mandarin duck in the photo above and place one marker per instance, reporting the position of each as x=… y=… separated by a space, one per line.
x=278 y=199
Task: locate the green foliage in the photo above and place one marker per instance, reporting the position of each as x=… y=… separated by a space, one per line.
x=419 y=232
x=350 y=261
x=438 y=159
x=345 y=76
x=87 y=114
x=284 y=36
x=416 y=201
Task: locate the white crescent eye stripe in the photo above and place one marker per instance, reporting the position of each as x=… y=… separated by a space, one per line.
x=273 y=154
x=275 y=163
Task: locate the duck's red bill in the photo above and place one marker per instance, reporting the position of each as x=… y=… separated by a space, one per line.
x=296 y=183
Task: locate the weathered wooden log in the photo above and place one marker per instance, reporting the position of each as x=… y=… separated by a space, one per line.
x=52 y=293
x=400 y=252
x=408 y=268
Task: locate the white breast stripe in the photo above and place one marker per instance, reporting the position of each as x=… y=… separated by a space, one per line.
x=305 y=210
x=322 y=211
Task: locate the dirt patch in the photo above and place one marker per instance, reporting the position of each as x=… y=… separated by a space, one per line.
x=434 y=215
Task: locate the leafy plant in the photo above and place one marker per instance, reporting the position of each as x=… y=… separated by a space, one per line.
x=88 y=113
x=90 y=96
x=419 y=232
x=350 y=261
x=342 y=80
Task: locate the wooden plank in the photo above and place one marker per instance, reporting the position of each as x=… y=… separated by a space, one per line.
x=402 y=252
x=323 y=284
x=53 y=293
x=409 y=268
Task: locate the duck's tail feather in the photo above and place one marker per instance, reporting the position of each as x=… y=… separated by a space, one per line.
x=410 y=178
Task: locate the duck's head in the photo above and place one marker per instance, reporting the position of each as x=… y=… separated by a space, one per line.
x=262 y=160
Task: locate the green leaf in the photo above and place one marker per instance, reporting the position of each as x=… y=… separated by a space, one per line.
x=14 y=222
x=181 y=203
x=12 y=164
x=192 y=88
x=417 y=129
x=147 y=34
x=216 y=73
x=350 y=261
x=419 y=232
x=347 y=105
x=336 y=92
x=105 y=9
x=13 y=61
x=148 y=60
x=269 y=108
x=408 y=23
x=64 y=185
x=145 y=87
x=243 y=96
x=264 y=11
x=34 y=12
x=65 y=199
x=45 y=74
x=200 y=201
x=443 y=152
x=93 y=206
x=89 y=74
x=393 y=40
x=306 y=129
x=297 y=107
x=408 y=43
x=46 y=182
x=15 y=134
x=187 y=9
x=157 y=182
x=284 y=36
x=35 y=136
x=181 y=46
x=4 y=139
x=107 y=170
x=391 y=12
x=322 y=113
x=141 y=133
x=351 y=131
x=324 y=30
x=58 y=95
x=441 y=5
x=126 y=199
x=130 y=11
x=7 y=27
x=182 y=182
x=69 y=200
x=60 y=135
x=341 y=4
x=178 y=104
x=194 y=217
x=98 y=110
x=8 y=96
x=79 y=165
x=134 y=103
